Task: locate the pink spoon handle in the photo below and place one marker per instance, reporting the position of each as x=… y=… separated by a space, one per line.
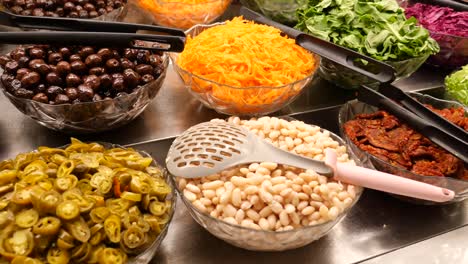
x=386 y=182
x=390 y=183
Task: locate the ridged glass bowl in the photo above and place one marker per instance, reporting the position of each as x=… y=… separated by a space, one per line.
x=453 y=49
x=349 y=79
x=148 y=254
x=353 y=108
x=184 y=15
x=232 y=100
x=260 y=240
x=282 y=11
x=90 y=117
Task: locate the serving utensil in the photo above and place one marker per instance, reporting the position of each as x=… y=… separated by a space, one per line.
x=70 y=31
x=211 y=147
x=427 y=126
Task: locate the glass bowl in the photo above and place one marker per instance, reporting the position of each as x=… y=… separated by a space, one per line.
x=115 y=15
x=349 y=79
x=90 y=117
x=282 y=11
x=147 y=255
x=263 y=240
x=213 y=94
x=349 y=110
x=453 y=49
x=182 y=15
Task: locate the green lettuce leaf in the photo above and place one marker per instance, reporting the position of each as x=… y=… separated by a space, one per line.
x=457 y=85
x=376 y=28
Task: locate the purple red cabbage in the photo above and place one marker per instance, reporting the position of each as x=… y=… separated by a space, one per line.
x=440 y=19
x=444 y=23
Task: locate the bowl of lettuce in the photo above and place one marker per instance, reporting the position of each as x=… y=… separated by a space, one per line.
x=456 y=85
x=375 y=28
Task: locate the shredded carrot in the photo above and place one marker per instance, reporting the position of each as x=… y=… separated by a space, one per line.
x=184 y=14
x=243 y=54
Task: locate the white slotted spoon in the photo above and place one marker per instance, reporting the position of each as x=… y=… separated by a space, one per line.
x=211 y=147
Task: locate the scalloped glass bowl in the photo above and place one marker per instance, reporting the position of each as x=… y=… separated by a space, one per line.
x=352 y=108
x=282 y=11
x=260 y=240
x=349 y=79
x=453 y=49
x=184 y=15
x=220 y=97
x=90 y=117
x=148 y=254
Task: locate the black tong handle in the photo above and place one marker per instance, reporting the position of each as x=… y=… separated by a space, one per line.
x=72 y=24
x=174 y=43
x=454 y=145
x=338 y=54
x=420 y=110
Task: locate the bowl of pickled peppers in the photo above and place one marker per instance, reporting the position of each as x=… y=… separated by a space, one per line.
x=83 y=203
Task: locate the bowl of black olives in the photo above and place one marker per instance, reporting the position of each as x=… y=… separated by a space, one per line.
x=81 y=89
x=107 y=10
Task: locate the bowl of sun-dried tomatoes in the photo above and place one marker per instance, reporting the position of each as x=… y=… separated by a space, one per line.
x=386 y=144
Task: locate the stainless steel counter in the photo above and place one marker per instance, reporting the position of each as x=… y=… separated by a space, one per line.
x=377 y=229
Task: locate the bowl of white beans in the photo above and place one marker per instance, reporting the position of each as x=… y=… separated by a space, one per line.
x=269 y=206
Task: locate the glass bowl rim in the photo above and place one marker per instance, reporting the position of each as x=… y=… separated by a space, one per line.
x=162 y=2
x=125 y=96
x=174 y=57
x=345 y=106
x=298 y=229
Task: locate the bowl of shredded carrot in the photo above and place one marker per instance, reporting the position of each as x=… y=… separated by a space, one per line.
x=184 y=14
x=242 y=68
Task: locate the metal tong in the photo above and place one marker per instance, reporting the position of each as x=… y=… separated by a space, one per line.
x=69 y=31
x=442 y=132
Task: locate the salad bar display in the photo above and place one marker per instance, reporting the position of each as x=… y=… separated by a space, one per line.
x=382 y=162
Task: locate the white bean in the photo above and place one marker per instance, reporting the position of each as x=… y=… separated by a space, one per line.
x=265 y=196
x=240 y=215
x=284 y=218
x=264 y=224
x=333 y=213
x=192 y=188
x=271 y=166
x=253 y=167
x=229 y=211
x=302 y=205
x=236 y=198
x=278 y=188
x=206 y=201
x=308 y=210
x=251 y=190
x=295 y=218
x=190 y=195
x=286 y=192
x=253 y=215
x=197 y=204
x=265 y=212
x=276 y=207
x=212 y=185
x=230 y=220
x=182 y=183
x=210 y=194
x=246 y=205
x=289 y=208
x=272 y=219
